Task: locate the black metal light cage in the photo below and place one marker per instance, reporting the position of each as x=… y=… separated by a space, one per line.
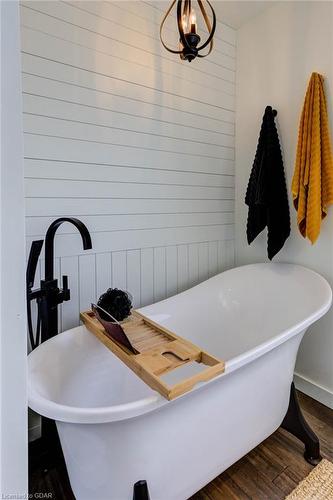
x=184 y=7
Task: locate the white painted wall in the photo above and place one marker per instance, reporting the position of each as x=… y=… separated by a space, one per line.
x=13 y=344
x=276 y=53
x=134 y=142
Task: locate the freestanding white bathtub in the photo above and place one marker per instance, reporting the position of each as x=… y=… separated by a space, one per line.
x=115 y=430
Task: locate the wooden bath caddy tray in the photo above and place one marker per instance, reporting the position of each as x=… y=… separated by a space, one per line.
x=159 y=352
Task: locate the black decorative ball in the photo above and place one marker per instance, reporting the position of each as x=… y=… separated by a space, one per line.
x=116 y=302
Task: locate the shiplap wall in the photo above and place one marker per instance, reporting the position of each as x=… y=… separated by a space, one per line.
x=134 y=142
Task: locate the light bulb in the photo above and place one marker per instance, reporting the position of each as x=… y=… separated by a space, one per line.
x=193 y=21
x=193 y=17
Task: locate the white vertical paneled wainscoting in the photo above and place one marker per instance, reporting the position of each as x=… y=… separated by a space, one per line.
x=132 y=141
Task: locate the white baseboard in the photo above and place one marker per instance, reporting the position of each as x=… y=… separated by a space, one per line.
x=314 y=390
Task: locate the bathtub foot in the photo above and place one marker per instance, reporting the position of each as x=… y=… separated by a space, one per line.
x=295 y=423
x=140 y=491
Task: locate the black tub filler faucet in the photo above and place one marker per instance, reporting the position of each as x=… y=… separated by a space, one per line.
x=48 y=295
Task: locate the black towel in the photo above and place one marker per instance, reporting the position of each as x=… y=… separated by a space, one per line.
x=266 y=194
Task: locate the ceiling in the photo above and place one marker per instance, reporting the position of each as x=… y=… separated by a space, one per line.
x=235 y=13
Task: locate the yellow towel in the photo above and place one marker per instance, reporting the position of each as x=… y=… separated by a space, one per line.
x=312 y=185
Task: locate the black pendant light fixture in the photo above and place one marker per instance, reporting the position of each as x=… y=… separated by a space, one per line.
x=189 y=39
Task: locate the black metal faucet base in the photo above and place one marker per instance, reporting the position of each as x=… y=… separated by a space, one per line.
x=140 y=491
x=295 y=423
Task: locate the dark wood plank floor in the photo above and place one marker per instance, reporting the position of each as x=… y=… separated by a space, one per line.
x=269 y=472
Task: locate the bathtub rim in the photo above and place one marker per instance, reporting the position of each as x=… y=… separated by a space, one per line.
x=124 y=411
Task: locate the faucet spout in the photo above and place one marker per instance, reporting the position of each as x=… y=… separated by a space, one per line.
x=49 y=242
